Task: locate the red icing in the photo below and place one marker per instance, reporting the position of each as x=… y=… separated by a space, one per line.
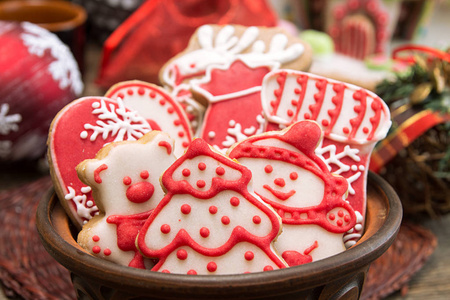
x=239 y=234
x=294 y=258
x=96 y=249
x=185 y=209
x=145 y=174
x=128 y=227
x=212 y=266
x=126 y=180
x=140 y=192
x=360 y=96
x=304 y=136
x=97 y=171
x=249 y=255
x=96 y=238
x=166 y=145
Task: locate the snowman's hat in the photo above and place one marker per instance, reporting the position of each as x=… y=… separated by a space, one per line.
x=295 y=144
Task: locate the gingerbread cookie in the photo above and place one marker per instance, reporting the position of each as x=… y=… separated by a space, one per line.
x=124 y=177
x=353 y=120
x=77 y=133
x=222 y=44
x=234 y=102
x=289 y=176
x=209 y=222
x=158 y=108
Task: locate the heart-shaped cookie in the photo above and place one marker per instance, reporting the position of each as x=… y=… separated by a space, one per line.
x=77 y=133
x=158 y=108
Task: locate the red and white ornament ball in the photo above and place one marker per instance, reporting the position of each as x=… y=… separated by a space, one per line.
x=38 y=77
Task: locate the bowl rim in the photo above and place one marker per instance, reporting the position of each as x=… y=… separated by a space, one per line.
x=88 y=266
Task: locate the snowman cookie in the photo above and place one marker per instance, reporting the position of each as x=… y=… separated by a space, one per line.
x=209 y=222
x=77 y=133
x=124 y=177
x=158 y=108
x=353 y=120
x=220 y=45
x=289 y=176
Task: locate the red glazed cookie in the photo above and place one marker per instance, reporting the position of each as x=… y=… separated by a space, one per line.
x=289 y=176
x=77 y=133
x=124 y=177
x=209 y=222
x=158 y=108
x=353 y=120
x=220 y=45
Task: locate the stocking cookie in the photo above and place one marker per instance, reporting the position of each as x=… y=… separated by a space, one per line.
x=77 y=133
x=220 y=45
x=353 y=120
x=289 y=176
x=209 y=222
x=158 y=108
x=124 y=177
x=234 y=102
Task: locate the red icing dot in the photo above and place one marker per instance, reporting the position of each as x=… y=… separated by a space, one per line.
x=152 y=94
x=192 y=65
x=201 y=183
x=130 y=92
x=294 y=102
x=127 y=180
x=325 y=123
x=257 y=219
x=212 y=209
x=280 y=182
x=176 y=122
x=186 y=172
x=212 y=266
x=144 y=174
x=268 y=169
x=340 y=213
x=293 y=176
x=96 y=238
x=220 y=171
x=185 y=209
x=345 y=130
x=366 y=130
x=290 y=113
x=165 y=228
x=182 y=254
x=141 y=91
x=332 y=217
x=107 y=252
x=185 y=144
x=204 y=232
x=180 y=133
x=268 y=268
x=273 y=103
x=120 y=95
x=162 y=102
x=170 y=110
x=225 y=220
x=96 y=249
x=307 y=116
x=201 y=166
x=234 y=201
x=191 y=272
x=249 y=255
x=347 y=218
x=339 y=222
x=165 y=271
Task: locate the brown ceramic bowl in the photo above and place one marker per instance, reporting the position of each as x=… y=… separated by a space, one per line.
x=338 y=277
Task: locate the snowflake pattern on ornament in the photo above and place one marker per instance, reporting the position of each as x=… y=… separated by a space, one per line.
x=237 y=134
x=117 y=121
x=8 y=123
x=64 y=68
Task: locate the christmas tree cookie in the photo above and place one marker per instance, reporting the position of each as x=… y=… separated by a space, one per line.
x=124 y=177
x=288 y=175
x=210 y=221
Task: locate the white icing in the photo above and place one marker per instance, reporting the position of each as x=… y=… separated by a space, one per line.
x=235 y=132
x=8 y=123
x=127 y=125
x=82 y=209
x=64 y=69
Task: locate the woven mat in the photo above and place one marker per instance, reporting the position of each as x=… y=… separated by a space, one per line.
x=28 y=271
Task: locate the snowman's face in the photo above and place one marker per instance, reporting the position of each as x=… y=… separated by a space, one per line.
x=284 y=183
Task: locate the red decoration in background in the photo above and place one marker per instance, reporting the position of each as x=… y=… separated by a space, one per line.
x=158 y=30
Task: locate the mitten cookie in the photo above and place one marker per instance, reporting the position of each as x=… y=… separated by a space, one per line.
x=77 y=133
x=209 y=222
x=353 y=120
x=289 y=176
x=124 y=177
x=158 y=108
x=220 y=45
